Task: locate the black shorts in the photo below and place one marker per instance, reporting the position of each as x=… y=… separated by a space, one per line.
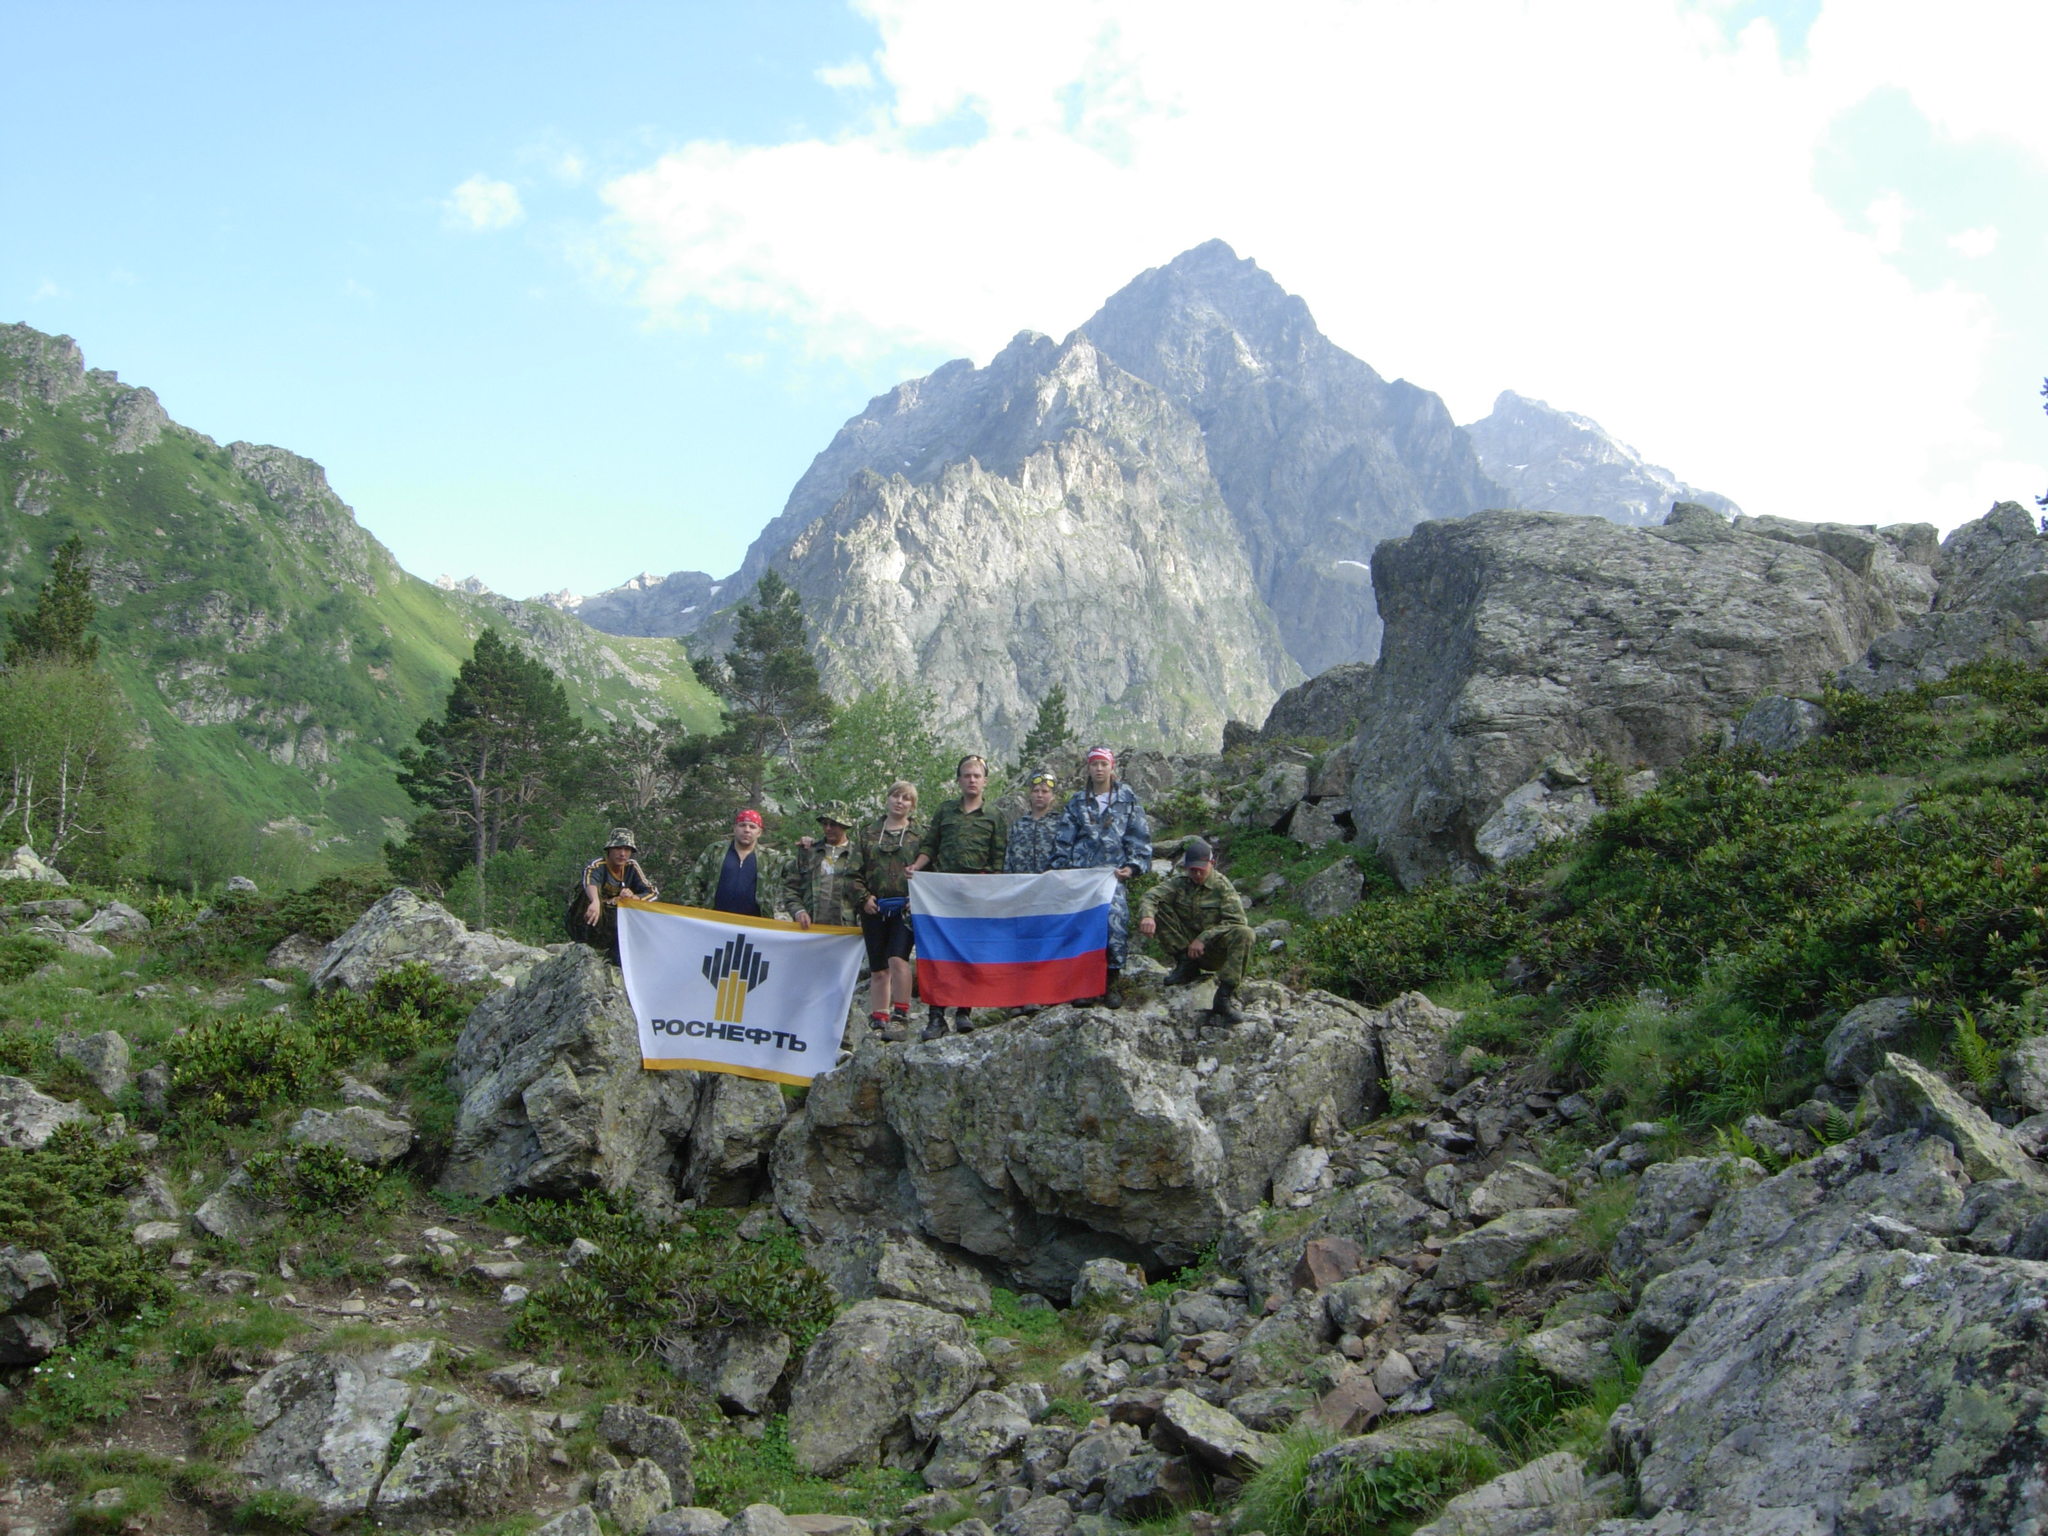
x=888 y=936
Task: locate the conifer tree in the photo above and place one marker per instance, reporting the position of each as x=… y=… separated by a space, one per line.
x=499 y=764
x=55 y=629
x=1051 y=737
x=776 y=709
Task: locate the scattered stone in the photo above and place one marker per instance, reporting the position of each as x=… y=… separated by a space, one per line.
x=1107 y=1280
x=1856 y=1047
x=29 y=1118
x=737 y=1367
x=1546 y=1495
x=150 y=1233
x=527 y=1379
x=657 y=1437
x=22 y=864
x=1908 y=1096
x=360 y=1133
x=582 y=1521
x=324 y=1423
x=879 y=1382
x=987 y=1426
x=632 y=1496
x=1515 y=1186
x=1490 y=1252
x=1330 y=1470
x=103 y=1058
x=296 y=952
x=467 y=1461
x=1673 y=1201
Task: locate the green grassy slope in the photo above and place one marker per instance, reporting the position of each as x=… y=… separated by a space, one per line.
x=272 y=649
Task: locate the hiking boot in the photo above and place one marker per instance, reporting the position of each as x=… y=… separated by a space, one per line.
x=1108 y=1000
x=1183 y=972
x=960 y=1024
x=1223 y=1008
x=935 y=1027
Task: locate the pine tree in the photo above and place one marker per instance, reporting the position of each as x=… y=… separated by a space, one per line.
x=776 y=709
x=1050 y=738
x=500 y=763
x=55 y=629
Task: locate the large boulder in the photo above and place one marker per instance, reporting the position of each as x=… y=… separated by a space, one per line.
x=731 y=1132
x=553 y=1096
x=22 y=864
x=1076 y=1133
x=104 y=1058
x=1878 y=1391
x=1329 y=705
x=31 y=1321
x=1515 y=636
x=401 y=929
x=357 y=1131
x=1992 y=601
x=463 y=1462
x=879 y=1384
x=1907 y=1096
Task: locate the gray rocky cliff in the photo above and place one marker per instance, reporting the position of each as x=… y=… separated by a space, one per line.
x=1514 y=637
x=648 y=604
x=1317 y=456
x=1046 y=520
x=1548 y=460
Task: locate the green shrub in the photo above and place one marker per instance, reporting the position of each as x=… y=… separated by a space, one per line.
x=66 y=1199
x=315 y=1180
x=94 y=1379
x=647 y=1282
x=233 y=1069
x=733 y=1471
x=23 y=954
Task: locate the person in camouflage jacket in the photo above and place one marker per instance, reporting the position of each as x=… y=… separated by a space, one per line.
x=1104 y=827
x=1200 y=923
x=739 y=875
x=1034 y=837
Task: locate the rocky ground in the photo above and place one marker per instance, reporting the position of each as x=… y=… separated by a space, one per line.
x=1088 y=1269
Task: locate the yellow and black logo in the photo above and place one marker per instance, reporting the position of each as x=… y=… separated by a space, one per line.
x=735 y=968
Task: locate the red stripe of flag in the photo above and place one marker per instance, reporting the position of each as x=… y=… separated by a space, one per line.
x=968 y=984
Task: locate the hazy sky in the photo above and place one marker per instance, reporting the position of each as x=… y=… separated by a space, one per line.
x=559 y=293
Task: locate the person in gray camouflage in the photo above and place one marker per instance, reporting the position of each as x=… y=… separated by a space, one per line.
x=1104 y=827
x=1034 y=836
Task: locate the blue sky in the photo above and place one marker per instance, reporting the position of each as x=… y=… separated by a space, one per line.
x=560 y=293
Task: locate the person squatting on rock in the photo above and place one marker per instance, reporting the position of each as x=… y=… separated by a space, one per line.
x=1104 y=827
x=821 y=874
x=604 y=879
x=967 y=837
x=738 y=874
x=1034 y=836
x=883 y=851
x=1199 y=920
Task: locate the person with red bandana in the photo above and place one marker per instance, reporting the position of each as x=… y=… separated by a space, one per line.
x=738 y=874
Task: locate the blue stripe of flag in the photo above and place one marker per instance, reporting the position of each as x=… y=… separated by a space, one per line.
x=1013 y=940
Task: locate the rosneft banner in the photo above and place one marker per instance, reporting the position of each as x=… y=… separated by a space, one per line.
x=747 y=995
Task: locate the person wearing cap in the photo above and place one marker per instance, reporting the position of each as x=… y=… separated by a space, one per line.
x=605 y=878
x=1104 y=827
x=1199 y=920
x=739 y=875
x=967 y=836
x=1033 y=836
x=883 y=852
x=821 y=874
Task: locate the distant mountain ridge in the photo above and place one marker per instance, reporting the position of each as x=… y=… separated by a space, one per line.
x=273 y=650
x=1548 y=460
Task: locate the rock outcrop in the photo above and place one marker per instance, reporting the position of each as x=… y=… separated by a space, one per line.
x=1516 y=637
x=1076 y=1134
x=403 y=929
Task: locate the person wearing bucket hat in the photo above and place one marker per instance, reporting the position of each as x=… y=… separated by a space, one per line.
x=616 y=872
x=737 y=874
x=1199 y=920
x=821 y=874
x=1104 y=827
x=1034 y=835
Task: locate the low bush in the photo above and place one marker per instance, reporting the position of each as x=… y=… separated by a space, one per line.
x=23 y=954
x=233 y=1069
x=65 y=1199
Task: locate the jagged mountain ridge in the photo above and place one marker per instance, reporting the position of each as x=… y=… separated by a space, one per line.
x=271 y=647
x=1549 y=460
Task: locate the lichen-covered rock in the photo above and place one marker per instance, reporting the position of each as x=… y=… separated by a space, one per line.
x=1515 y=636
x=239 y=1210
x=1515 y=1186
x=1877 y=1391
x=1331 y=1469
x=362 y=1134
x=402 y=929
x=1909 y=1097
x=1413 y=1034
x=1329 y=705
x=104 y=1058
x=29 y=1117
x=632 y=1496
x=737 y=1367
x=1331 y=891
x=465 y=1462
x=1778 y=724
x=324 y=1423
x=900 y=1266
x=1271 y=796
x=1497 y=1249
x=1532 y=815
x=877 y=1385
x=2026 y=1074
x=1673 y=1201
x=1546 y=1497
x=1106 y=1280
x=22 y=864
x=1573 y=1352
x=1858 y=1044
x=118 y=918
x=658 y=1438
x=1992 y=601
x=1214 y=1435
x=1147 y=1486
x=554 y=1099
x=31 y=1322
x=730 y=1134
x=986 y=1426
x=1075 y=1133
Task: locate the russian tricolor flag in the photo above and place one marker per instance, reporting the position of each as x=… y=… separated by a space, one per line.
x=1009 y=941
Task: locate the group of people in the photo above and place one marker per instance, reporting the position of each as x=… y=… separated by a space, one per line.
x=859 y=872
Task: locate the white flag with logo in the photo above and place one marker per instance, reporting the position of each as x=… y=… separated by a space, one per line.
x=716 y=992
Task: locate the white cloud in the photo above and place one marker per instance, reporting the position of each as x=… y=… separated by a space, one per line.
x=853 y=75
x=1603 y=203
x=47 y=289
x=483 y=204
x=1974 y=243
x=1887 y=216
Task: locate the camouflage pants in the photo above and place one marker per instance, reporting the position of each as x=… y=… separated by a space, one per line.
x=1119 y=929
x=1224 y=953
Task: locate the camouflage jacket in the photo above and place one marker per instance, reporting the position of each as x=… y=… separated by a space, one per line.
x=771 y=878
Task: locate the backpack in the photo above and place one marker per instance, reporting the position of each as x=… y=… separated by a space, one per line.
x=572 y=916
